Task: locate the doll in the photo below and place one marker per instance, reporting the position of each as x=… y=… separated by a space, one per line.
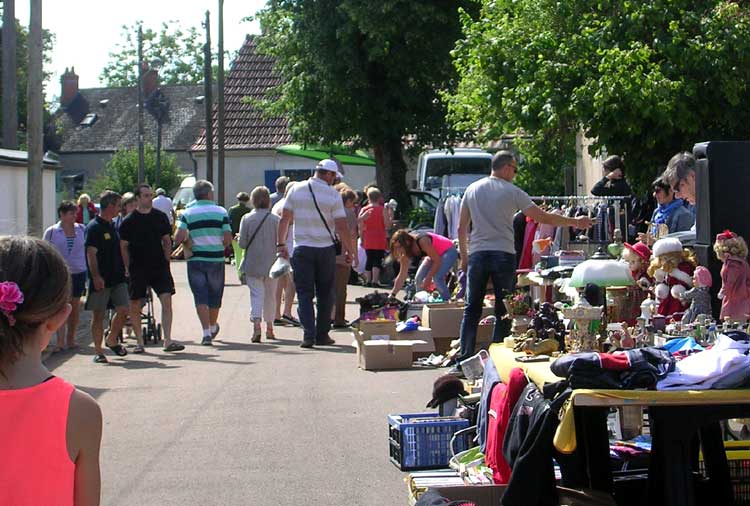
x=637 y=257
x=699 y=296
x=731 y=249
x=672 y=269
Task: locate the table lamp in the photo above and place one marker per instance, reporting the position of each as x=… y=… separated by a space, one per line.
x=603 y=273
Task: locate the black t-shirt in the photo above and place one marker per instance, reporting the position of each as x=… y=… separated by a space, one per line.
x=144 y=231
x=101 y=234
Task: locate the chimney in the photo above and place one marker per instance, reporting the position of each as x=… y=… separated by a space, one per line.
x=150 y=82
x=69 y=85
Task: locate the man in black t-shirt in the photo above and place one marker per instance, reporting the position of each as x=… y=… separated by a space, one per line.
x=146 y=246
x=107 y=283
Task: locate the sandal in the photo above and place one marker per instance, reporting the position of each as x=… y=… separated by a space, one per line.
x=255 y=338
x=174 y=347
x=139 y=349
x=118 y=349
x=100 y=359
x=270 y=336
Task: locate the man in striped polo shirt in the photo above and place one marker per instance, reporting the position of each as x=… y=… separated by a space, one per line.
x=318 y=213
x=207 y=225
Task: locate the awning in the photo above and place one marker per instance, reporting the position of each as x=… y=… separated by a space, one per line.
x=320 y=153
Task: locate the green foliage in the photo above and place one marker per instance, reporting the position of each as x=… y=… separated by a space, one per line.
x=180 y=52
x=121 y=172
x=21 y=70
x=369 y=73
x=645 y=79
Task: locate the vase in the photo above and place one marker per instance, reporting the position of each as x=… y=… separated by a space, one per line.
x=519 y=325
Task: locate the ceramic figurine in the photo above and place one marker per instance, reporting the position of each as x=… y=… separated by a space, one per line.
x=731 y=249
x=699 y=296
x=648 y=309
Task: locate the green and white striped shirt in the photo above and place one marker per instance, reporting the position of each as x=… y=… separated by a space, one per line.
x=206 y=222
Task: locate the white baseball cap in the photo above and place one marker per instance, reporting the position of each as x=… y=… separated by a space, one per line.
x=330 y=166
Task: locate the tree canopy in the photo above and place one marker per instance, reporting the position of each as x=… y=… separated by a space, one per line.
x=366 y=73
x=180 y=52
x=644 y=79
x=120 y=174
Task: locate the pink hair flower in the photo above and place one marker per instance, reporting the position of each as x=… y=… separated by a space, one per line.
x=10 y=297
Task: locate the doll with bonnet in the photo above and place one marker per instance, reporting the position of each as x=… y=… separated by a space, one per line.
x=672 y=269
x=637 y=257
x=699 y=296
x=731 y=249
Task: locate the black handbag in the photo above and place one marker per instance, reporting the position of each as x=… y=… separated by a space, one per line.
x=336 y=241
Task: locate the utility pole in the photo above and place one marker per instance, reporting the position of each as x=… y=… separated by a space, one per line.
x=208 y=99
x=221 y=103
x=10 y=94
x=141 y=161
x=34 y=120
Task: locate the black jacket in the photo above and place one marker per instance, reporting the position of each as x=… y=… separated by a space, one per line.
x=611 y=188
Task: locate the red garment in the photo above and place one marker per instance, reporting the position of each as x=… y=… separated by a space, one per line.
x=735 y=283
x=37 y=468
x=503 y=400
x=92 y=212
x=373 y=229
x=528 y=240
x=671 y=305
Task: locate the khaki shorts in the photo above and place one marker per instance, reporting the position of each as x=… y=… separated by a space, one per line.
x=112 y=297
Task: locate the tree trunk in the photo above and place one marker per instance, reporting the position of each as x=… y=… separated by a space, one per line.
x=35 y=101
x=10 y=94
x=391 y=172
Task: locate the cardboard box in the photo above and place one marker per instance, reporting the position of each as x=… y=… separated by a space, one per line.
x=445 y=319
x=423 y=334
x=378 y=329
x=442 y=344
x=383 y=355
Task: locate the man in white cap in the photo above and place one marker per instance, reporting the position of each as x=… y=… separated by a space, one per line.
x=320 y=231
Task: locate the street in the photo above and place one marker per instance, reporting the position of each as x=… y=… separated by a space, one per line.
x=245 y=424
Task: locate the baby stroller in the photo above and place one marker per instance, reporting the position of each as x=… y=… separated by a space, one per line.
x=151 y=331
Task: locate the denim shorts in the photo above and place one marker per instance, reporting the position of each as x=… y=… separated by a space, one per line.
x=78 y=284
x=206 y=280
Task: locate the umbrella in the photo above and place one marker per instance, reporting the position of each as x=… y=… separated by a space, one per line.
x=346 y=157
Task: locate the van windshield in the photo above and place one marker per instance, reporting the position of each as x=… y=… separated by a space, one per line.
x=183 y=197
x=439 y=167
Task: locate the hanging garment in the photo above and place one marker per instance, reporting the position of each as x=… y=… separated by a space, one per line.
x=504 y=399
x=440 y=225
x=519 y=231
x=528 y=240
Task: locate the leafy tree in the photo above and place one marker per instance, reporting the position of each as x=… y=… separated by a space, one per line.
x=645 y=79
x=21 y=70
x=368 y=73
x=121 y=171
x=180 y=52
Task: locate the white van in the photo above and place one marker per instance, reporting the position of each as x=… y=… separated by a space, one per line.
x=184 y=195
x=439 y=170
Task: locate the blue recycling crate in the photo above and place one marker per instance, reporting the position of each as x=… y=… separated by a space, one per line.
x=423 y=440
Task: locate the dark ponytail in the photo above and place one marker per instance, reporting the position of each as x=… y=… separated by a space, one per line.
x=43 y=277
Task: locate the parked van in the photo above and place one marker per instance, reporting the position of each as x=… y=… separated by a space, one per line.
x=439 y=170
x=184 y=195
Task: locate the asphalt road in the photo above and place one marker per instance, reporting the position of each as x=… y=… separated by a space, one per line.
x=242 y=423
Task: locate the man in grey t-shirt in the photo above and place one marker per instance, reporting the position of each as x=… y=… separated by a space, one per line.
x=488 y=207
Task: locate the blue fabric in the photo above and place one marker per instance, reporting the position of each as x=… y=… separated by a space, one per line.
x=407 y=326
x=314 y=275
x=682 y=344
x=489 y=380
x=663 y=212
x=483 y=265
x=447 y=259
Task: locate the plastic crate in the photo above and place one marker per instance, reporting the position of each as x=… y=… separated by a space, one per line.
x=738 y=459
x=422 y=440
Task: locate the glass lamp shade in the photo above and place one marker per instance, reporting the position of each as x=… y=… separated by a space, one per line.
x=601 y=273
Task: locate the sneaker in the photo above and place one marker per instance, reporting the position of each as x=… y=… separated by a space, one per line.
x=207 y=341
x=100 y=359
x=306 y=344
x=291 y=320
x=216 y=333
x=325 y=341
x=456 y=371
x=279 y=321
x=173 y=346
x=255 y=338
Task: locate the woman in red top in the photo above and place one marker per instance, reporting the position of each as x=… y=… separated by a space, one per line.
x=439 y=255
x=51 y=432
x=374 y=219
x=86 y=210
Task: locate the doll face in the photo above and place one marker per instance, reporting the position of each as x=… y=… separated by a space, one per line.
x=634 y=261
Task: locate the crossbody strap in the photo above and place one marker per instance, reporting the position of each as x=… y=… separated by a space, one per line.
x=256 y=231
x=309 y=187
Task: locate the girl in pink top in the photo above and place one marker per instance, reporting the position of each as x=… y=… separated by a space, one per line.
x=374 y=219
x=50 y=431
x=438 y=253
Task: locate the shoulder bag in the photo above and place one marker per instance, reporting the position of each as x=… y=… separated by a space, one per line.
x=336 y=241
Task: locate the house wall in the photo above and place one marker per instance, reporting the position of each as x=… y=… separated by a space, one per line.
x=589 y=169
x=247 y=169
x=14 y=213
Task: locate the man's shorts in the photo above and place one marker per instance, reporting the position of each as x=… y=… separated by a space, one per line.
x=100 y=300
x=159 y=280
x=206 y=280
x=375 y=258
x=78 y=284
